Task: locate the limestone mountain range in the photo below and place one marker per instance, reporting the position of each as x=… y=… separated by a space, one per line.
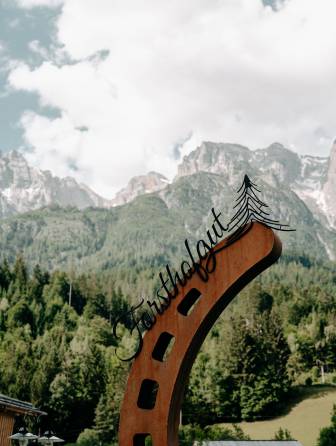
x=24 y=188
x=37 y=220
x=311 y=178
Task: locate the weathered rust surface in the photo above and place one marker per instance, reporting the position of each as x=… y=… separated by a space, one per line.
x=237 y=265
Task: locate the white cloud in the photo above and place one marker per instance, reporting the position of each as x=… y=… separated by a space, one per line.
x=36 y=47
x=217 y=70
x=28 y=4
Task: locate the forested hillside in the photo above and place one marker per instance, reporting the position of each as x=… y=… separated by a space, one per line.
x=79 y=270
x=57 y=348
x=151 y=229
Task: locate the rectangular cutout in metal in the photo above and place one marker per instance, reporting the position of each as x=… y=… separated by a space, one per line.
x=142 y=440
x=147 y=394
x=189 y=301
x=163 y=346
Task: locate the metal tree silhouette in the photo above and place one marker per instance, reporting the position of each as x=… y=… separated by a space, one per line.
x=251 y=208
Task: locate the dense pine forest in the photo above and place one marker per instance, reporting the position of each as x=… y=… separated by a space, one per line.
x=57 y=349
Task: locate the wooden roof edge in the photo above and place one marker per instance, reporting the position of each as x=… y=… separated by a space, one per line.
x=22 y=411
x=19 y=407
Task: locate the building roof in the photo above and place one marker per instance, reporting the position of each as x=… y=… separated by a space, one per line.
x=18 y=407
x=252 y=443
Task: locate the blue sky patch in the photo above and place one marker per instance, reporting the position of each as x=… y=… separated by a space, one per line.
x=19 y=27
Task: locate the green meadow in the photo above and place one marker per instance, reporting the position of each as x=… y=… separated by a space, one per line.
x=306 y=416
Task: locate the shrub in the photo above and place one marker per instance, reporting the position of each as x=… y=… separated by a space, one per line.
x=308 y=381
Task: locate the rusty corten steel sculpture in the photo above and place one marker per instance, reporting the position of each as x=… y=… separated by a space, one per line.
x=156 y=382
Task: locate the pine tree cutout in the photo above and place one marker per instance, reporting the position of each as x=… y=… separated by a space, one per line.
x=251 y=208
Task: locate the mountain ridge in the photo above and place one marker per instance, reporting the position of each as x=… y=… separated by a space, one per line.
x=313 y=179
x=24 y=188
x=151 y=228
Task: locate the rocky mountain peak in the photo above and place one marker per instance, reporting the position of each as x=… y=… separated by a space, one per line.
x=221 y=158
x=332 y=159
x=14 y=155
x=313 y=179
x=24 y=188
x=276 y=161
x=329 y=188
x=277 y=147
x=14 y=170
x=275 y=165
x=139 y=185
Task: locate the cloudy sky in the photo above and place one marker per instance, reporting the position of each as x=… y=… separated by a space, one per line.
x=107 y=89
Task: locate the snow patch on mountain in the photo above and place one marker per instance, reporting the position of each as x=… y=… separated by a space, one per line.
x=24 y=188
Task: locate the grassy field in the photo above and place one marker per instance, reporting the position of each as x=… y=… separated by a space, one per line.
x=307 y=416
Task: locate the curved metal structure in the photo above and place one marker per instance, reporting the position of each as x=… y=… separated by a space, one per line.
x=158 y=376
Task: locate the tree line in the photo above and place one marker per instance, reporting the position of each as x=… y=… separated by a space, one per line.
x=57 y=349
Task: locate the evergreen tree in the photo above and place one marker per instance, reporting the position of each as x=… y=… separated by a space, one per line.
x=258 y=360
x=67 y=363
x=20 y=314
x=108 y=408
x=328 y=434
x=20 y=273
x=5 y=275
x=283 y=434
